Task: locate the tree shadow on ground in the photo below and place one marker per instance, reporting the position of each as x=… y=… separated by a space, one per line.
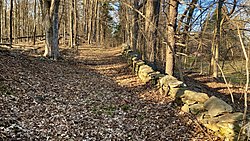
x=220 y=90
x=87 y=100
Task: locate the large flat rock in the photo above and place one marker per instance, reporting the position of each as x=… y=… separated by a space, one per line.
x=191 y=97
x=170 y=81
x=229 y=118
x=216 y=106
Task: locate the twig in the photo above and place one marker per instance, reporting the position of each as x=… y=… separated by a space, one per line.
x=11 y=79
x=20 y=80
x=4 y=78
x=225 y=80
x=196 y=122
x=245 y=127
x=247 y=72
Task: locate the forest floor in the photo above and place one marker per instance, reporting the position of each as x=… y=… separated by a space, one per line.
x=88 y=95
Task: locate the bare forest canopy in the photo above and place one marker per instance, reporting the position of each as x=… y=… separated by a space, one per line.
x=173 y=36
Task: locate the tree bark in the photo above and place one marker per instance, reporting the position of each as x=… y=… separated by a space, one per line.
x=156 y=5
x=51 y=28
x=136 y=25
x=75 y=23
x=1 y=19
x=94 y=21
x=5 y=19
x=85 y=18
x=34 y=30
x=98 y=24
x=11 y=18
x=127 y=26
x=16 y=22
x=215 y=49
x=19 y=19
x=171 y=28
x=71 y=23
x=90 y=23
x=151 y=28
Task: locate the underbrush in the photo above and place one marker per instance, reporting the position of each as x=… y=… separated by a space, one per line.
x=234 y=71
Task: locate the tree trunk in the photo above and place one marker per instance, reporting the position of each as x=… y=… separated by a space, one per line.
x=98 y=24
x=215 y=50
x=85 y=18
x=16 y=22
x=26 y=19
x=55 y=42
x=156 y=5
x=5 y=20
x=34 y=30
x=151 y=28
x=1 y=20
x=11 y=18
x=187 y=27
x=71 y=23
x=171 y=28
x=65 y=21
x=75 y=23
x=148 y=27
x=90 y=23
x=51 y=28
x=94 y=21
x=136 y=26
x=19 y=19
x=127 y=28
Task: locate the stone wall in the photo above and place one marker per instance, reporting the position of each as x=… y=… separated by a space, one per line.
x=212 y=112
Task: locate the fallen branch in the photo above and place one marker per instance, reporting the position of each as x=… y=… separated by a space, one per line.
x=23 y=37
x=193 y=118
x=197 y=123
x=4 y=78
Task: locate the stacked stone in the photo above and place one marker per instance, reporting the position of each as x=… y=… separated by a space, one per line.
x=139 y=67
x=212 y=112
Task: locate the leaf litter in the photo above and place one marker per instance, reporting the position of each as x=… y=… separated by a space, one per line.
x=88 y=96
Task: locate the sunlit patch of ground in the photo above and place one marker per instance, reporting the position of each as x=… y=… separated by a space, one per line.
x=90 y=94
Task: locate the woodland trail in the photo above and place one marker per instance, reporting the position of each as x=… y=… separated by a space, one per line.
x=88 y=96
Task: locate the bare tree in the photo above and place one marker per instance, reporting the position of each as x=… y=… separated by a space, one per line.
x=75 y=22
x=151 y=28
x=171 y=28
x=71 y=10
x=1 y=19
x=90 y=22
x=34 y=30
x=11 y=21
x=51 y=27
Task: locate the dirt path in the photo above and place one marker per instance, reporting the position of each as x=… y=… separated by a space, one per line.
x=89 y=96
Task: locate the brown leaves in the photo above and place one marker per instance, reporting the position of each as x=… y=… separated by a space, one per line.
x=93 y=98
